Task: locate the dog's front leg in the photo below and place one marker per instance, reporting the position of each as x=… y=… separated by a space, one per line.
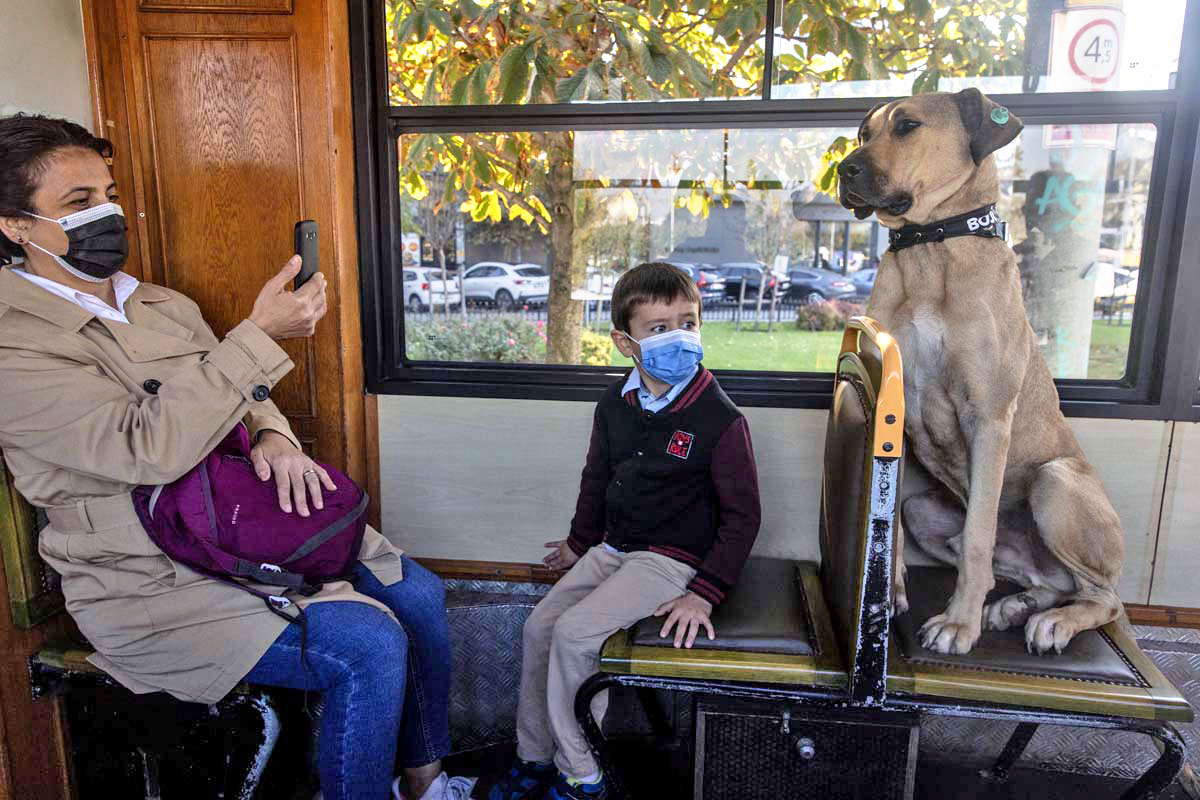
x=957 y=629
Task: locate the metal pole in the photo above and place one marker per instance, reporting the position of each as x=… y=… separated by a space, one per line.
x=846 y=248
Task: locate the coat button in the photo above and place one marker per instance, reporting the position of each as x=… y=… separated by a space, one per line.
x=261 y=393
x=151 y=386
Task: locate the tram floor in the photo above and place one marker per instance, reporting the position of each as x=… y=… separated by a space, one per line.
x=666 y=775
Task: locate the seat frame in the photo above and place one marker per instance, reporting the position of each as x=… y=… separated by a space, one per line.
x=866 y=686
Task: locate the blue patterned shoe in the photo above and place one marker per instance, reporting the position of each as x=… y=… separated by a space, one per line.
x=525 y=781
x=566 y=789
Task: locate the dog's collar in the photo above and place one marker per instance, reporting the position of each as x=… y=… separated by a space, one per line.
x=980 y=222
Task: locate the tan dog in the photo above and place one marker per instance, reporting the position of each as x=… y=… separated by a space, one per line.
x=1017 y=497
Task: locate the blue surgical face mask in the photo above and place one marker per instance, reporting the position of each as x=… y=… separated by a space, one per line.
x=669 y=357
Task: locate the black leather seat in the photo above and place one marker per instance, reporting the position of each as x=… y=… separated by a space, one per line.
x=1100 y=671
x=766 y=613
x=773 y=627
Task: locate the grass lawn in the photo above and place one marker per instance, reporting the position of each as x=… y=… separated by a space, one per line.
x=786 y=348
x=789 y=349
x=1109 y=350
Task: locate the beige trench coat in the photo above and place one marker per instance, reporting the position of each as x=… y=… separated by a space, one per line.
x=80 y=430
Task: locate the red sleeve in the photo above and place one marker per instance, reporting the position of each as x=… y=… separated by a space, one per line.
x=735 y=478
x=587 y=527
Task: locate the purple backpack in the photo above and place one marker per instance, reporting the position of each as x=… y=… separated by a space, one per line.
x=221 y=520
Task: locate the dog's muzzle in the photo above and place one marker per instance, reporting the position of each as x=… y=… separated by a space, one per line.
x=859 y=189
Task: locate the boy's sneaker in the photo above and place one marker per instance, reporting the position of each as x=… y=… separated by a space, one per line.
x=566 y=789
x=443 y=788
x=526 y=780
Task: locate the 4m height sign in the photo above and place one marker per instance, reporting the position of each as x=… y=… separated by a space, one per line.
x=1085 y=47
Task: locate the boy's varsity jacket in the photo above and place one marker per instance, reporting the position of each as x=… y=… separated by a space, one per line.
x=680 y=482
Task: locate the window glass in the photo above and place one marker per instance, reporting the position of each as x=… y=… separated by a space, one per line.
x=532 y=272
x=864 y=48
x=483 y=52
x=585 y=206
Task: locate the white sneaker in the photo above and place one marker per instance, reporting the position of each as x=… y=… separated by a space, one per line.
x=443 y=788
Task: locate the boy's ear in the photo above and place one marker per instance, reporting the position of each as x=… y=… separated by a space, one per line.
x=622 y=343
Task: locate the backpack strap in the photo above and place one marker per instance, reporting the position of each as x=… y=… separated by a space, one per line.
x=272 y=575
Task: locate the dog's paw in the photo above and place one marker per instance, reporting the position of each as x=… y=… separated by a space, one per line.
x=1049 y=630
x=942 y=634
x=899 y=595
x=1008 y=611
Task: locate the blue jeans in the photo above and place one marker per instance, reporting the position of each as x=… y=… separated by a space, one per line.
x=382 y=682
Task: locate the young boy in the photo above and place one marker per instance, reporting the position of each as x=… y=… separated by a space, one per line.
x=667 y=513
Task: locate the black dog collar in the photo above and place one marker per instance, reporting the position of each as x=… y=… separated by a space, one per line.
x=980 y=222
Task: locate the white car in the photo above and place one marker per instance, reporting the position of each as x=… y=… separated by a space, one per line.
x=424 y=289
x=506 y=285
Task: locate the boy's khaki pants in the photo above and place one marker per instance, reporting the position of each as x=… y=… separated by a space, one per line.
x=603 y=593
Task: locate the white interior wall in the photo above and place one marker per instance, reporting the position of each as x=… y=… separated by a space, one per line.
x=43 y=64
x=1177 y=567
x=492 y=480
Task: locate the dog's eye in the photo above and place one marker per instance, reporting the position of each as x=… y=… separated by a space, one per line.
x=906 y=126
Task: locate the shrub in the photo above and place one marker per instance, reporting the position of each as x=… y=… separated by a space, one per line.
x=479 y=338
x=596 y=349
x=827 y=316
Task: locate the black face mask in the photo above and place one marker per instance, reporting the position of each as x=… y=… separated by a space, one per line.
x=97 y=246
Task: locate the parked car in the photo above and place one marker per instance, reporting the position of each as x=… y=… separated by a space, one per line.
x=424 y=289
x=505 y=285
x=708 y=280
x=753 y=273
x=814 y=285
x=864 y=282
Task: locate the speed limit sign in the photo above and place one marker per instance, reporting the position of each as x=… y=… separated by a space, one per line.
x=1085 y=48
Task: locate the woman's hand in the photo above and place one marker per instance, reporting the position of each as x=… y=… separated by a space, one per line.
x=284 y=314
x=690 y=611
x=296 y=475
x=563 y=556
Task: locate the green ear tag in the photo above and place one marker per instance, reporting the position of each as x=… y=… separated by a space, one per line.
x=999 y=115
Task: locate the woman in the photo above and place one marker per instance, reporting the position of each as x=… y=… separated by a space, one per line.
x=106 y=384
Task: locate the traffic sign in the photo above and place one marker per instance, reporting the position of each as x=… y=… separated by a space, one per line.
x=1085 y=51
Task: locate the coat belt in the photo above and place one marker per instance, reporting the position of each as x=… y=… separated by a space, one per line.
x=96 y=514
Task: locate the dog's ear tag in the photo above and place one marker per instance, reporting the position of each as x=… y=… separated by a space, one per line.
x=999 y=115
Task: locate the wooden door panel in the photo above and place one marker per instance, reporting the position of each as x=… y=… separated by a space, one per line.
x=219 y=6
x=226 y=161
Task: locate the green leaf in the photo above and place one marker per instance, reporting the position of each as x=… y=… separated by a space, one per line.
x=441 y=20
x=639 y=86
x=483 y=167
x=448 y=190
x=586 y=84
x=514 y=72
x=477 y=86
x=826 y=180
x=458 y=94
x=568 y=89
x=470 y=9
x=927 y=81
x=543 y=66
x=412 y=24
x=429 y=96
x=660 y=64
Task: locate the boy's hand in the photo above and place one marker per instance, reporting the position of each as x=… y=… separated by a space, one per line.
x=690 y=611
x=563 y=556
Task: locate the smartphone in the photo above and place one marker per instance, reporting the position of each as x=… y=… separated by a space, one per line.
x=306 y=248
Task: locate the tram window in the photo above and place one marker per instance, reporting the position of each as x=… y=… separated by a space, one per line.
x=743 y=205
x=516 y=53
x=673 y=130
x=891 y=51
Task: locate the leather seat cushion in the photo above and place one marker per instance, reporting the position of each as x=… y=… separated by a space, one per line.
x=1090 y=656
x=767 y=612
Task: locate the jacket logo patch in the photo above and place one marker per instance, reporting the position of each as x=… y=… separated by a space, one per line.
x=681 y=444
